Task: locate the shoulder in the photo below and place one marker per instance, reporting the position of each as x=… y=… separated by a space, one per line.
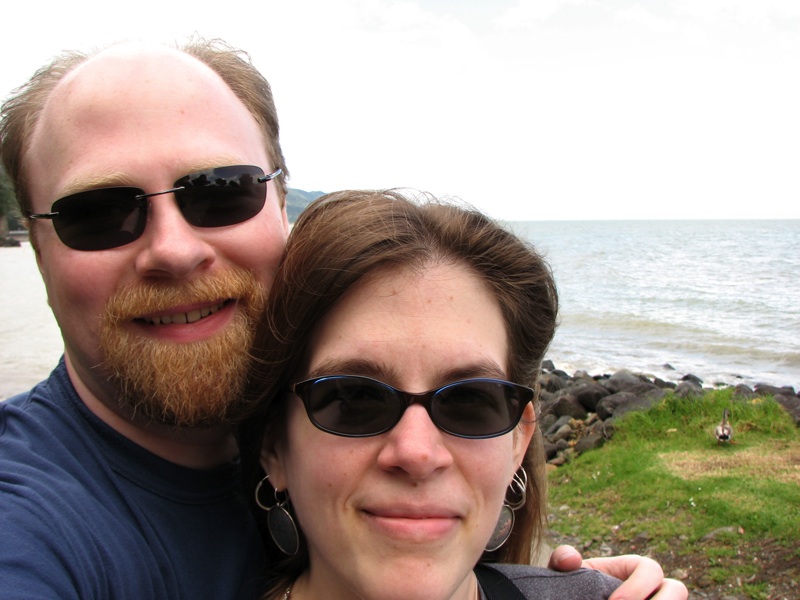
x=35 y=426
x=49 y=516
x=54 y=395
x=545 y=584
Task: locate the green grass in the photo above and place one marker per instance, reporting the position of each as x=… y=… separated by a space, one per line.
x=664 y=475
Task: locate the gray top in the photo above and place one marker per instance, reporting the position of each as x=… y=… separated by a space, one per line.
x=543 y=584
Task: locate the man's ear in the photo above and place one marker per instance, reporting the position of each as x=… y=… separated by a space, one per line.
x=273 y=465
x=523 y=433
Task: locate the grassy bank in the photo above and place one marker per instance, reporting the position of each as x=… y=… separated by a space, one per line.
x=724 y=518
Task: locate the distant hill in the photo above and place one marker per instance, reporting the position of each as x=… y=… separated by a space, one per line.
x=297 y=200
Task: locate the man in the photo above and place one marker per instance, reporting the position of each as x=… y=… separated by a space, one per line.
x=162 y=175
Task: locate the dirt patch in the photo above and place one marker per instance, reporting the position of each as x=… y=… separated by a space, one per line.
x=777 y=461
x=766 y=565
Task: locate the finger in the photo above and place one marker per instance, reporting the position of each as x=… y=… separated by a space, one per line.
x=565 y=558
x=641 y=576
x=672 y=589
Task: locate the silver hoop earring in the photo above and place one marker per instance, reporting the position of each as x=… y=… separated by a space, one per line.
x=518 y=490
x=280 y=523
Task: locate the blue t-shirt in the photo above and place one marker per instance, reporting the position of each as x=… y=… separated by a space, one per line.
x=86 y=513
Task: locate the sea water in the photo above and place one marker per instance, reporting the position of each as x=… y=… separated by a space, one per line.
x=718 y=299
x=30 y=341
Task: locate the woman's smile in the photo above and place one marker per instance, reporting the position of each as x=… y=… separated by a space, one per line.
x=413 y=523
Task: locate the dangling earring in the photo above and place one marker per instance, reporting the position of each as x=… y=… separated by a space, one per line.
x=518 y=490
x=280 y=523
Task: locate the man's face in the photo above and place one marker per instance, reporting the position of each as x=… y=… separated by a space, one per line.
x=161 y=325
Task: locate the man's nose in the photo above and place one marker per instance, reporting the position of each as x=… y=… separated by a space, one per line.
x=171 y=246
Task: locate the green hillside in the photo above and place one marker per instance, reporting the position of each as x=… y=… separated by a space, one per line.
x=297 y=200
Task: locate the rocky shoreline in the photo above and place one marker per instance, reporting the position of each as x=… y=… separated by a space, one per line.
x=578 y=411
x=9 y=242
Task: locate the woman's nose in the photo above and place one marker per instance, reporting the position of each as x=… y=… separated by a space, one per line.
x=415 y=445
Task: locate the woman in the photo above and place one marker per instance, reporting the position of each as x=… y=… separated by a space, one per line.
x=373 y=492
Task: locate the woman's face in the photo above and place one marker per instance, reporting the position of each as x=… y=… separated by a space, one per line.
x=407 y=513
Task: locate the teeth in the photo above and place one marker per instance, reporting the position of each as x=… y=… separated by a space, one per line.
x=183 y=318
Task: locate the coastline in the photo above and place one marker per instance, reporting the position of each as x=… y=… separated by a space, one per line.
x=578 y=412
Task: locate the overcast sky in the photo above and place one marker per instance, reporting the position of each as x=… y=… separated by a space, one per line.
x=528 y=109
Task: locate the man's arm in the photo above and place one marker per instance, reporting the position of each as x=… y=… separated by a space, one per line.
x=642 y=577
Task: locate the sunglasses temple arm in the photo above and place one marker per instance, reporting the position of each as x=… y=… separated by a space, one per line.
x=271 y=176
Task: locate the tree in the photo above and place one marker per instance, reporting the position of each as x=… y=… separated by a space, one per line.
x=9 y=213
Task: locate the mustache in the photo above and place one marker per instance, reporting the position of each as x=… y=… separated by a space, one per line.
x=139 y=299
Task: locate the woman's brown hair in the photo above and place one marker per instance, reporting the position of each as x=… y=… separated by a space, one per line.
x=345 y=235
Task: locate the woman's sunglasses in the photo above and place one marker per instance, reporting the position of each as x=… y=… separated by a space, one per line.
x=355 y=406
x=110 y=217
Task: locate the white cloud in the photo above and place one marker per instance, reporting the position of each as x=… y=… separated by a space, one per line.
x=532 y=109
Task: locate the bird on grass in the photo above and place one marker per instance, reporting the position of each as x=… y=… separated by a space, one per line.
x=724 y=432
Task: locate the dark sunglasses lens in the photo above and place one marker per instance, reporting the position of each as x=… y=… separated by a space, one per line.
x=100 y=219
x=353 y=406
x=221 y=196
x=478 y=408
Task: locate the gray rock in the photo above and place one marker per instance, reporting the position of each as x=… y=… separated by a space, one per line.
x=743 y=392
x=550 y=450
x=589 y=394
x=688 y=389
x=620 y=403
x=771 y=390
x=791 y=404
x=564 y=432
x=621 y=380
x=551 y=382
x=693 y=379
x=590 y=442
x=568 y=405
x=558 y=423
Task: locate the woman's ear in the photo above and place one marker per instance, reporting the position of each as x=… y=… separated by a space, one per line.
x=524 y=433
x=273 y=465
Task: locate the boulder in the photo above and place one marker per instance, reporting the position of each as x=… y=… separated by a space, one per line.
x=693 y=379
x=648 y=389
x=743 y=392
x=552 y=382
x=589 y=394
x=664 y=385
x=688 y=389
x=567 y=404
x=589 y=442
x=562 y=433
x=622 y=380
x=791 y=404
x=620 y=403
x=560 y=422
x=545 y=421
x=771 y=390
x=549 y=450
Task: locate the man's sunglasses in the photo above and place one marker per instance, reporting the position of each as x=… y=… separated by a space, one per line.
x=355 y=406
x=114 y=216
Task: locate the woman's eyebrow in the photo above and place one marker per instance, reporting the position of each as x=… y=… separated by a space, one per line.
x=484 y=368
x=353 y=366
x=382 y=372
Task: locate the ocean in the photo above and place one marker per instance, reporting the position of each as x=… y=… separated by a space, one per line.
x=717 y=299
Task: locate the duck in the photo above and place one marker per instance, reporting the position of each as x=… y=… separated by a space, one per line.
x=724 y=432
